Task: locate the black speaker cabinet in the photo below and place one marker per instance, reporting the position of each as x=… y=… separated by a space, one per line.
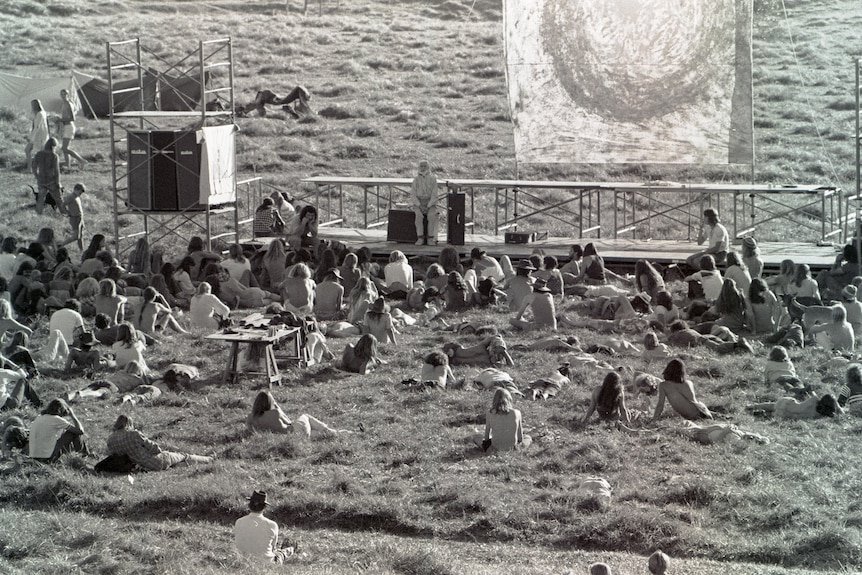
x=401 y=227
x=140 y=177
x=188 y=170
x=164 y=170
x=455 y=215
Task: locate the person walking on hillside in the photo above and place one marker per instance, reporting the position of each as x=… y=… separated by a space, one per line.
x=67 y=118
x=713 y=232
x=75 y=210
x=256 y=536
x=46 y=168
x=38 y=131
x=424 y=200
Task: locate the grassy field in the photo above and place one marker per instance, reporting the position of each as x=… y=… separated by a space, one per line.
x=393 y=82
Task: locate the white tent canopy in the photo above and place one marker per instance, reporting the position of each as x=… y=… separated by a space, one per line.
x=16 y=92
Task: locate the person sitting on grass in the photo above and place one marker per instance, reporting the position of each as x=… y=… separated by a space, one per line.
x=378 y=322
x=267 y=415
x=297 y=290
x=329 y=296
x=144 y=452
x=503 y=426
x=679 y=391
x=11 y=372
x=730 y=308
x=836 y=335
x=458 y=294
x=780 y=370
x=647 y=279
x=56 y=431
x=609 y=400
x=706 y=282
x=362 y=357
x=850 y=394
x=205 y=306
x=436 y=371
x=156 y=314
x=541 y=302
x=84 y=356
x=521 y=285
x=763 y=310
x=256 y=536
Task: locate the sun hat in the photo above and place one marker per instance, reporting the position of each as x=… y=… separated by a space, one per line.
x=541 y=286
x=749 y=242
x=526 y=265
x=335 y=272
x=379 y=306
x=258 y=498
x=849 y=292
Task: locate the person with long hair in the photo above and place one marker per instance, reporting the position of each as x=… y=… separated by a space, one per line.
x=301 y=229
x=803 y=287
x=843 y=270
x=436 y=370
x=85 y=293
x=326 y=262
x=504 y=430
x=679 y=391
x=144 y=452
x=109 y=302
x=378 y=322
x=239 y=266
x=837 y=334
x=9 y=323
x=8 y=257
x=751 y=257
x=39 y=133
x=609 y=400
x=204 y=306
x=48 y=241
x=763 y=310
x=361 y=357
x=436 y=277
x=129 y=347
x=267 y=415
x=160 y=284
x=664 y=311
x=201 y=257
x=139 y=258
x=297 y=290
x=11 y=372
x=329 y=296
x=736 y=271
x=96 y=245
x=231 y=290
x=155 y=314
x=572 y=268
x=647 y=279
x=730 y=307
x=780 y=370
x=592 y=267
x=350 y=272
x=450 y=260
x=457 y=294
x=273 y=264
x=398 y=274
x=182 y=278
x=364 y=293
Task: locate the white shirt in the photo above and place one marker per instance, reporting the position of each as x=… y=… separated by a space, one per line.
x=65 y=320
x=718 y=235
x=6 y=376
x=44 y=433
x=8 y=266
x=256 y=536
x=400 y=272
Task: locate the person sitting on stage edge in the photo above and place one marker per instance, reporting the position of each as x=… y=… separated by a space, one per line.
x=715 y=234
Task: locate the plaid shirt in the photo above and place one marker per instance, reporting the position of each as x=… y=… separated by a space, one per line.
x=141 y=450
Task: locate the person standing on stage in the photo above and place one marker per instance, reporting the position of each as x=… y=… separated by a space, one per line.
x=67 y=118
x=424 y=201
x=713 y=232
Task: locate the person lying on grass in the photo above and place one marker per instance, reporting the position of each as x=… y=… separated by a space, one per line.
x=812 y=407
x=609 y=399
x=679 y=391
x=362 y=357
x=503 y=426
x=491 y=350
x=267 y=415
x=144 y=452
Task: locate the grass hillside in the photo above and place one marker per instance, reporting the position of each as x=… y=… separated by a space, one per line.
x=393 y=82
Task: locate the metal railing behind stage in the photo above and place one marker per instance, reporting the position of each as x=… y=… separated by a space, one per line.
x=653 y=210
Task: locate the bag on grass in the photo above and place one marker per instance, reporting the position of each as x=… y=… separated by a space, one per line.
x=115 y=464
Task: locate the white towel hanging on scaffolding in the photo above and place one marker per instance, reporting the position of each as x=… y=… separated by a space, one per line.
x=218 y=164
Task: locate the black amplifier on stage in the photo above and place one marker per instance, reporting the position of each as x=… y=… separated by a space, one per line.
x=401 y=227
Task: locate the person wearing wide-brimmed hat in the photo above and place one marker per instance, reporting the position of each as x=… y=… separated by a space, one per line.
x=378 y=322
x=518 y=287
x=84 y=356
x=256 y=536
x=541 y=302
x=329 y=296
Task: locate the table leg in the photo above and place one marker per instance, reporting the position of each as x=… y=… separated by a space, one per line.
x=272 y=373
x=231 y=371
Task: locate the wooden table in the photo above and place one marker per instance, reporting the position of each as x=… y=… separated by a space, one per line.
x=266 y=337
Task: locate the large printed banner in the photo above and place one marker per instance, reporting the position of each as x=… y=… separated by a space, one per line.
x=630 y=81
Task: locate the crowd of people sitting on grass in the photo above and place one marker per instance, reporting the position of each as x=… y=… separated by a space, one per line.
x=104 y=319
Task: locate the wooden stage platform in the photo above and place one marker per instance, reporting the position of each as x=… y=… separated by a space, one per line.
x=618 y=253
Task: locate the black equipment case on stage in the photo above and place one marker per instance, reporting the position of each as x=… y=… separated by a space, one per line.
x=401 y=227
